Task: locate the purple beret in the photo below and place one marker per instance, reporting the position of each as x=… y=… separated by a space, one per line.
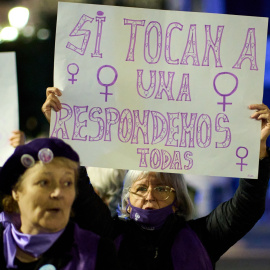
x=25 y=156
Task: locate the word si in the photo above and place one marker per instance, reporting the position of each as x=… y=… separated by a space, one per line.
x=191 y=48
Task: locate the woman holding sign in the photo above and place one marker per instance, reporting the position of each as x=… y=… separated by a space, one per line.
x=154 y=230
x=39 y=183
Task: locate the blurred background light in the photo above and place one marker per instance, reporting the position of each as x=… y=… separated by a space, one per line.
x=43 y=34
x=28 y=31
x=9 y=34
x=18 y=17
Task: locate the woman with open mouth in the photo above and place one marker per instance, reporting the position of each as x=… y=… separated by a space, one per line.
x=39 y=182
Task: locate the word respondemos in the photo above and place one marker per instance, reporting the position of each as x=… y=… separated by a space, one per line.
x=177 y=129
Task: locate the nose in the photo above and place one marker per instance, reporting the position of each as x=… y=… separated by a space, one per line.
x=150 y=195
x=56 y=192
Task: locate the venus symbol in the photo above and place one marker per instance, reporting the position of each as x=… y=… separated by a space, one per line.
x=241 y=156
x=106 y=69
x=224 y=103
x=73 y=69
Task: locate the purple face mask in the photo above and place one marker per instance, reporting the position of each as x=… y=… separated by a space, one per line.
x=150 y=219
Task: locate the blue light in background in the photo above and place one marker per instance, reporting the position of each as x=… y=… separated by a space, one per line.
x=266 y=98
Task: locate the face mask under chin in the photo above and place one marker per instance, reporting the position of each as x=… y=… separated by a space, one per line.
x=150 y=219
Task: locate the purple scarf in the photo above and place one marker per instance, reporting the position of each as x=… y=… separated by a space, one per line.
x=32 y=244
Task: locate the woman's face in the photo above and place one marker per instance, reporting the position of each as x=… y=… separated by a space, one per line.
x=149 y=201
x=45 y=197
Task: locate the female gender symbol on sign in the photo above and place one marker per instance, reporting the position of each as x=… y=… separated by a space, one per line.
x=224 y=103
x=106 y=93
x=241 y=157
x=73 y=74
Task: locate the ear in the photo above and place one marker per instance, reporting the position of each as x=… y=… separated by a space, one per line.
x=15 y=195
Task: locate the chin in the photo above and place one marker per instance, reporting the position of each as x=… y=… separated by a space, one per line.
x=53 y=227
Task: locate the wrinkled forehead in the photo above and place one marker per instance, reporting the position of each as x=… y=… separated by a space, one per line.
x=146 y=178
x=41 y=167
x=47 y=168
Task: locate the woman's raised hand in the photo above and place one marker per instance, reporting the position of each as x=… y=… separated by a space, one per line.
x=262 y=113
x=52 y=101
x=17 y=138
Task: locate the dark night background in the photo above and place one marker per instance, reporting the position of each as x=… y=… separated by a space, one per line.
x=35 y=60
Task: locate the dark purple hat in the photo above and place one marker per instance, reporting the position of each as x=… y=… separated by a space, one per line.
x=25 y=156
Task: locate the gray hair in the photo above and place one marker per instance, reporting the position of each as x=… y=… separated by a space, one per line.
x=108 y=183
x=183 y=202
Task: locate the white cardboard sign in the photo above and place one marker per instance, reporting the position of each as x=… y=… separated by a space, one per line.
x=8 y=103
x=160 y=90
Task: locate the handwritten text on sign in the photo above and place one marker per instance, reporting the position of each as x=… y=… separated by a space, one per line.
x=160 y=90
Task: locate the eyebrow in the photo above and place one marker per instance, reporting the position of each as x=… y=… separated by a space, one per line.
x=50 y=173
x=156 y=184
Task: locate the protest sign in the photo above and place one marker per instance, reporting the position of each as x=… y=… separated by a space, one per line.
x=8 y=103
x=159 y=90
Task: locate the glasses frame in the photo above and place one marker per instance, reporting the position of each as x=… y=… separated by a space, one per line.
x=143 y=196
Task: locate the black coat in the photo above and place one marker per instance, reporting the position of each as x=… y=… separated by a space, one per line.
x=218 y=231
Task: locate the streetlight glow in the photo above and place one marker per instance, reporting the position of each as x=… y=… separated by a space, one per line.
x=18 y=17
x=9 y=34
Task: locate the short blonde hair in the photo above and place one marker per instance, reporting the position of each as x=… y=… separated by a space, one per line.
x=11 y=206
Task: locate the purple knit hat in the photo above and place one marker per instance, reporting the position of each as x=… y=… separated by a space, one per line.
x=25 y=156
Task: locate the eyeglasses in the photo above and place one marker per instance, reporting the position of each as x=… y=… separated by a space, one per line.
x=161 y=193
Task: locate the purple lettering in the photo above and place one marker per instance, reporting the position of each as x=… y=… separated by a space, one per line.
x=204 y=131
x=78 y=110
x=143 y=152
x=227 y=141
x=248 y=51
x=100 y=21
x=172 y=129
x=99 y=121
x=60 y=122
x=184 y=89
x=188 y=128
x=143 y=126
x=191 y=47
x=165 y=159
x=187 y=156
x=165 y=87
x=146 y=93
x=125 y=127
x=147 y=54
x=155 y=159
x=176 y=162
x=214 y=46
x=133 y=34
x=168 y=38
x=78 y=31
x=112 y=117
x=159 y=133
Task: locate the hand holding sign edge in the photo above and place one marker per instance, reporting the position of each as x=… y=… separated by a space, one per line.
x=262 y=113
x=51 y=102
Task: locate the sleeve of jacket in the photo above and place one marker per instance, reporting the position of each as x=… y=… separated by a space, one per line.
x=107 y=256
x=90 y=212
x=231 y=220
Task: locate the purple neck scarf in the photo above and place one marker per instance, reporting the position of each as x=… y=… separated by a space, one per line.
x=150 y=219
x=32 y=244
